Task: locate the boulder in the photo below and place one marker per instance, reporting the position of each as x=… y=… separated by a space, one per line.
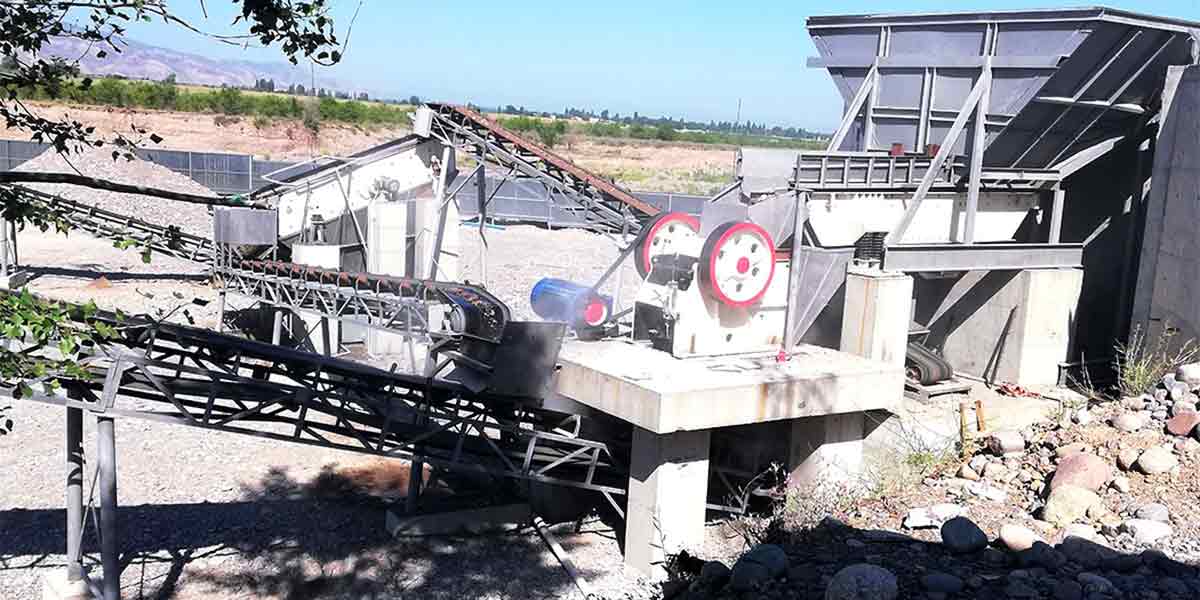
x=1006 y=443
x=1016 y=537
x=1145 y=531
x=863 y=582
x=1154 y=512
x=1068 y=504
x=919 y=518
x=1130 y=422
x=966 y=472
x=1189 y=374
x=1127 y=458
x=1120 y=483
x=1095 y=584
x=945 y=511
x=995 y=471
x=762 y=563
x=961 y=536
x=1157 y=460
x=1183 y=406
x=1183 y=422
x=1134 y=403
x=714 y=573
x=942 y=583
x=1081 y=469
x=1079 y=530
x=1082 y=416
x=1178 y=391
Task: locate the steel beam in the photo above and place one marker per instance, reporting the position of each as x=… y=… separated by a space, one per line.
x=960 y=122
x=856 y=106
x=1083 y=158
x=918 y=258
x=1112 y=99
x=978 y=139
x=1056 y=214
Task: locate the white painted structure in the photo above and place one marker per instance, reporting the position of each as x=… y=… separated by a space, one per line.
x=383 y=211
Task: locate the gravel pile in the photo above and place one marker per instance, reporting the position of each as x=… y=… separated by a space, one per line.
x=98 y=163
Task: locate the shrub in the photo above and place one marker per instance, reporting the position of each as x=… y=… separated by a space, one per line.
x=1140 y=365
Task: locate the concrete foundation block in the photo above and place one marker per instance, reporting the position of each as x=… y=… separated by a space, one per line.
x=57 y=586
x=827 y=450
x=1009 y=327
x=877 y=314
x=668 y=493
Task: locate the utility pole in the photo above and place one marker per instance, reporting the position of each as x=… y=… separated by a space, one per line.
x=737 y=123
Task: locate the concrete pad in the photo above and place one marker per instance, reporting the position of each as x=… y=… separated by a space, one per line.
x=663 y=394
x=490 y=519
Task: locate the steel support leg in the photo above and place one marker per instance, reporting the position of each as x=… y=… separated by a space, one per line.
x=277 y=327
x=109 y=557
x=74 y=493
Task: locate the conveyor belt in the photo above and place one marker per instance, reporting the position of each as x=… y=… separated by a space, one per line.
x=603 y=203
x=167 y=240
x=924 y=367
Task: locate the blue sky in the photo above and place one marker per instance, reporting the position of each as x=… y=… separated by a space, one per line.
x=658 y=57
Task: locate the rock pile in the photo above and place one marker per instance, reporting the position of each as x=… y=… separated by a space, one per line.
x=99 y=163
x=1096 y=505
x=838 y=562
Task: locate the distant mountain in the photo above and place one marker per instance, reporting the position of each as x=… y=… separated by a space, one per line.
x=143 y=61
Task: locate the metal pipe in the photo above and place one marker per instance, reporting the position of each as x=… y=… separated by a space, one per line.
x=74 y=493
x=109 y=557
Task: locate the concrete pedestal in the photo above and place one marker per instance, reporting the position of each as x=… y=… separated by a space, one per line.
x=827 y=450
x=57 y=586
x=877 y=314
x=668 y=491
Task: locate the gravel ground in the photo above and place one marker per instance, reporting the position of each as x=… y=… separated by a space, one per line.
x=519 y=256
x=99 y=163
x=210 y=515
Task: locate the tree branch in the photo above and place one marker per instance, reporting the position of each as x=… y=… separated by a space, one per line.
x=11 y=177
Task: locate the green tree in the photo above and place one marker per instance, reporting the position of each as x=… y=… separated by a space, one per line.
x=53 y=337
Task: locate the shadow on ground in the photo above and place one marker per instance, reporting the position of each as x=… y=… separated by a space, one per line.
x=97 y=272
x=294 y=541
x=806 y=565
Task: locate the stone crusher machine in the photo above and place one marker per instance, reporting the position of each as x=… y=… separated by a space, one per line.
x=716 y=287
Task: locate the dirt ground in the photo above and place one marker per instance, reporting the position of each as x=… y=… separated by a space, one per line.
x=638 y=165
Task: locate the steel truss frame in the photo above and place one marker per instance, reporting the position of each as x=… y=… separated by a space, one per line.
x=163 y=239
x=197 y=378
x=604 y=205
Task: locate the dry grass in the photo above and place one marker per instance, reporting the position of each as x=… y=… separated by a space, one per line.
x=1141 y=364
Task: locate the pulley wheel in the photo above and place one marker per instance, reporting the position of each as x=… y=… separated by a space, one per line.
x=665 y=235
x=737 y=263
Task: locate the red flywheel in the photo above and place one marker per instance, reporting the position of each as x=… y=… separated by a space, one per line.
x=666 y=234
x=737 y=263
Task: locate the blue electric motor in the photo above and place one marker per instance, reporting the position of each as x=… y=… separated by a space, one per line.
x=571 y=303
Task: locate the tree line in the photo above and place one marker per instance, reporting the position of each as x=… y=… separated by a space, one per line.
x=670 y=123
x=167 y=95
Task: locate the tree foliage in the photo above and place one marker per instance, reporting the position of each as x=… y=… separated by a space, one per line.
x=46 y=342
